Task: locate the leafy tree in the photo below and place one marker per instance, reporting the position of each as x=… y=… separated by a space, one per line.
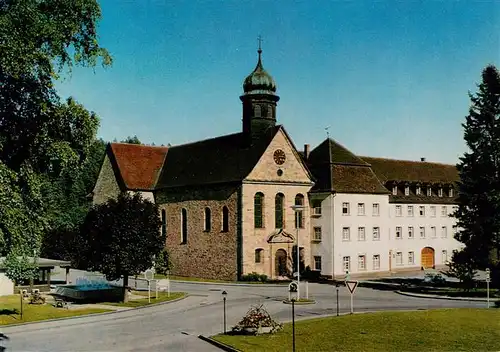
x=132 y=140
x=121 y=237
x=478 y=213
x=40 y=136
x=162 y=263
x=461 y=267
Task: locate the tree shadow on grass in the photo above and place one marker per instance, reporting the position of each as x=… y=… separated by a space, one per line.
x=8 y=312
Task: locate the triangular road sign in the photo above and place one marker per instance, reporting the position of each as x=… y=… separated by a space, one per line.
x=351 y=285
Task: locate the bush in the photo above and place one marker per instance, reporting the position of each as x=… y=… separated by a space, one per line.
x=254 y=277
x=497 y=304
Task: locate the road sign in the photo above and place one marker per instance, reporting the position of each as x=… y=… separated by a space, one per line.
x=488 y=275
x=292 y=287
x=149 y=274
x=351 y=286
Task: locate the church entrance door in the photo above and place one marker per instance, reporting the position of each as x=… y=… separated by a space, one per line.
x=280 y=267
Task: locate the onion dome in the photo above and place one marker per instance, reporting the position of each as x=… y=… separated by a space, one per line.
x=259 y=81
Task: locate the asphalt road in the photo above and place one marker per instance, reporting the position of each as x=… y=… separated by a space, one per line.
x=175 y=326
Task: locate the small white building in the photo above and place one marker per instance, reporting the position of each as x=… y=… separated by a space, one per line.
x=376 y=216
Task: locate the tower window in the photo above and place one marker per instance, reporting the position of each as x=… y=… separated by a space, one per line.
x=225 y=219
x=163 y=222
x=208 y=219
x=269 y=110
x=257 y=111
x=184 y=227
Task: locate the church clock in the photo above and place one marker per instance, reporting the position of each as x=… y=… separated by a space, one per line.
x=279 y=157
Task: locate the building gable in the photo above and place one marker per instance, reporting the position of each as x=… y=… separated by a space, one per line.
x=292 y=169
x=108 y=184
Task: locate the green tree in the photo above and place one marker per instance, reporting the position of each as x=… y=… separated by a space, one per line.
x=132 y=140
x=462 y=268
x=162 y=263
x=121 y=238
x=478 y=213
x=40 y=136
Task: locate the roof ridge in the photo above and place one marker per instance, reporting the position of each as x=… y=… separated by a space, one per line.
x=205 y=140
x=139 y=145
x=406 y=160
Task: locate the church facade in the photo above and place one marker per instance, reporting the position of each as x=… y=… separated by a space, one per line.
x=228 y=204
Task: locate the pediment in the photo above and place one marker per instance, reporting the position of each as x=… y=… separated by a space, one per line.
x=280 y=236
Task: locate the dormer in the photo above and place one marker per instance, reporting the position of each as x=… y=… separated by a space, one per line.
x=394 y=187
x=450 y=192
x=418 y=189
x=440 y=190
x=429 y=190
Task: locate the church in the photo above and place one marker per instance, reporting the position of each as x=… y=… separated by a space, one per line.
x=240 y=203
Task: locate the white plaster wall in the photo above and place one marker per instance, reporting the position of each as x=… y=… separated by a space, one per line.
x=6 y=285
x=145 y=195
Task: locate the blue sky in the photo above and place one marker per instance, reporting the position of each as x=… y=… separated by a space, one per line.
x=389 y=78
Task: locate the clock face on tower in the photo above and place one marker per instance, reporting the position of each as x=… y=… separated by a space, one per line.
x=279 y=157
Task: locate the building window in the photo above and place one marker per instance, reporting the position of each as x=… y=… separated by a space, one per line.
x=440 y=192
x=394 y=190
x=361 y=234
x=421 y=210
x=258 y=255
x=258 y=210
x=411 y=258
x=346 y=263
x=184 y=226
x=278 y=210
x=407 y=190
x=317 y=233
x=433 y=232
x=361 y=262
x=376 y=234
x=429 y=191
x=225 y=219
x=444 y=232
x=299 y=200
x=316 y=205
x=433 y=211
x=422 y=232
x=398 y=210
x=450 y=192
x=410 y=232
x=444 y=211
x=346 y=234
x=418 y=191
x=208 y=220
x=317 y=263
x=410 y=210
x=376 y=262
x=257 y=111
x=163 y=222
x=399 y=258
x=376 y=209
x=444 y=256
x=398 y=232
x=345 y=208
x=361 y=208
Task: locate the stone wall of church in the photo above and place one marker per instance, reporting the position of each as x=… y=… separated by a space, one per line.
x=106 y=186
x=207 y=254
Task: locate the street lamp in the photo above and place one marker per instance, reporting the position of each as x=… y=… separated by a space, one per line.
x=224 y=294
x=293 y=293
x=298 y=209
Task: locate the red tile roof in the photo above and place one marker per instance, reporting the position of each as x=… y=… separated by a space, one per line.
x=139 y=165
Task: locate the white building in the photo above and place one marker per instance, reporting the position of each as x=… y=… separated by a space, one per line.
x=374 y=216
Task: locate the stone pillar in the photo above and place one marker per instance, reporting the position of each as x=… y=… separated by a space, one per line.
x=67 y=275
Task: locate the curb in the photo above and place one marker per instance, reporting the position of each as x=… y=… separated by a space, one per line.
x=218 y=344
x=423 y=295
x=285 y=301
x=94 y=314
x=228 y=284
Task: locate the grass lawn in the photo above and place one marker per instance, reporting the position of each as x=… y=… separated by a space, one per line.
x=435 y=330
x=10 y=308
x=480 y=292
x=162 y=297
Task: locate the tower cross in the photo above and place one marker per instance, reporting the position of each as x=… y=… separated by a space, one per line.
x=327 y=132
x=259 y=39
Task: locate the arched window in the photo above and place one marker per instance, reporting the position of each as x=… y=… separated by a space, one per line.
x=278 y=210
x=258 y=255
x=208 y=219
x=269 y=110
x=184 y=226
x=258 y=210
x=299 y=217
x=225 y=219
x=163 y=222
x=257 y=111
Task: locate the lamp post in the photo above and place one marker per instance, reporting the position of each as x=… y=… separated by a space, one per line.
x=298 y=209
x=337 y=286
x=293 y=292
x=224 y=294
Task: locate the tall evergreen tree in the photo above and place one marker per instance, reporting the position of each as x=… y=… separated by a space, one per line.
x=478 y=213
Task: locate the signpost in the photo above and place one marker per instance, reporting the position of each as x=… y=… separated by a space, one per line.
x=149 y=275
x=351 y=286
x=292 y=287
x=488 y=280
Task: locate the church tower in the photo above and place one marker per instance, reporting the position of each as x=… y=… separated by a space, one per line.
x=259 y=100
